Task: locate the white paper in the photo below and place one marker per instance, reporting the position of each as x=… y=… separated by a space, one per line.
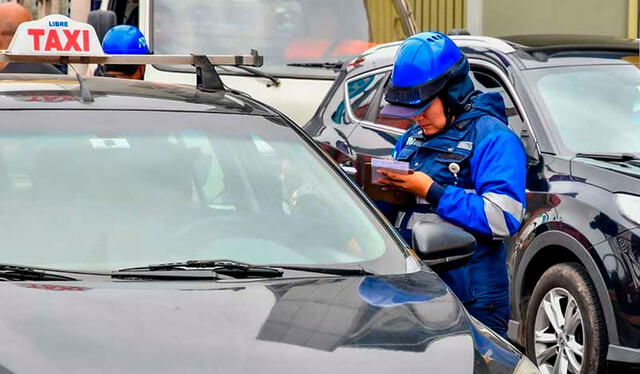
x=378 y=164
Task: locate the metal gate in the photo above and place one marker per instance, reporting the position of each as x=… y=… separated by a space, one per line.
x=439 y=15
x=429 y=15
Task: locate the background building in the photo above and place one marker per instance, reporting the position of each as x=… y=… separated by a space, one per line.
x=617 y=18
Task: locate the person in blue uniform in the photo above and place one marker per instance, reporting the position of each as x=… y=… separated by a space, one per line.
x=124 y=40
x=468 y=167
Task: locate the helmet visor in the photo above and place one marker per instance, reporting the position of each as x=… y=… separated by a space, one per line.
x=404 y=111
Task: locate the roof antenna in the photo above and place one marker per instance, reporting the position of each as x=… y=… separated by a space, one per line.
x=85 y=94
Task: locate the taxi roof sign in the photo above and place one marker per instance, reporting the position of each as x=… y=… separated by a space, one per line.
x=55 y=35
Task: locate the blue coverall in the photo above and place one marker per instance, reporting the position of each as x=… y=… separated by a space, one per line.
x=486 y=197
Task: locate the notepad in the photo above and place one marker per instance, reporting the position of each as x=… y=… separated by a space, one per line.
x=378 y=164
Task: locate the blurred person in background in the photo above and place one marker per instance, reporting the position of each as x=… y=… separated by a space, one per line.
x=11 y=16
x=124 y=40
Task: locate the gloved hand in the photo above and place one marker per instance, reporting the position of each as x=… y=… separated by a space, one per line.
x=418 y=183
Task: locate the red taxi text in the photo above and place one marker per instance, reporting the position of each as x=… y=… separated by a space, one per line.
x=51 y=40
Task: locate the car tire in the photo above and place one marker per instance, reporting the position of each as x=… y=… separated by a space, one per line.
x=563 y=319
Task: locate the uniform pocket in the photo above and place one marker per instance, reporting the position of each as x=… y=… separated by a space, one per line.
x=406 y=154
x=451 y=167
x=457 y=156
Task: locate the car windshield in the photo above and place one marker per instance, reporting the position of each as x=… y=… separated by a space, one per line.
x=89 y=191
x=284 y=31
x=595 y=109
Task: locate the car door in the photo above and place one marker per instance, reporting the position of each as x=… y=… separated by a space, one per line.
x=362 y=95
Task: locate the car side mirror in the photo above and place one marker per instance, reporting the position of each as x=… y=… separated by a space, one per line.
x=440 y=244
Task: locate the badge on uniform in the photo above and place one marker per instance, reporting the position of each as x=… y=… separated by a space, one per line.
x=414 y=141
x=454 y=168
x=465 y=145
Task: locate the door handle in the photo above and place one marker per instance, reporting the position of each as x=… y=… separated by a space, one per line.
x=350 y=170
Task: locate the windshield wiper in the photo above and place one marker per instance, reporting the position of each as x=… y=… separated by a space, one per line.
x=613 y=156
x=237 y=269
x=26 y=273
x=260 y=73
x=318 y=65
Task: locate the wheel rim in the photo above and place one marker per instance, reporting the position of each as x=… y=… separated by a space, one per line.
x=559 y=334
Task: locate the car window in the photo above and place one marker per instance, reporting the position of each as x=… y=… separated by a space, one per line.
x=362 y=93
x=92 y=192
x=486 y=82
x=594 y=109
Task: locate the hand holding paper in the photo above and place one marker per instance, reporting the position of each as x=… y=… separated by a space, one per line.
x=418 y=183
x=379 y=164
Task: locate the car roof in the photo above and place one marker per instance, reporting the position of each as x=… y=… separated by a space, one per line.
x=565 y=41
x=534 y=51
x=43 y=91
x=384 y=54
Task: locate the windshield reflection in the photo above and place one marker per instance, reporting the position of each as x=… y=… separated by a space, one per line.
x=405 y=313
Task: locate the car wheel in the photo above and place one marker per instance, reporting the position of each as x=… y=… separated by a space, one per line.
x=565 y=329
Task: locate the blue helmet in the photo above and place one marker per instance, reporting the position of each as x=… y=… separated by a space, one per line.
x=427 y=65
x=124 y=40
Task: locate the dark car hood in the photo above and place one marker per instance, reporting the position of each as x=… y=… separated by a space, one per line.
x=320 y=325
x=612 y=176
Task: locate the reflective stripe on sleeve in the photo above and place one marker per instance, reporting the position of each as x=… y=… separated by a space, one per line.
x=495 y=217
x=506 y=203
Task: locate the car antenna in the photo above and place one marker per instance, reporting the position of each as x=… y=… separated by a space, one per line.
x=85 y=93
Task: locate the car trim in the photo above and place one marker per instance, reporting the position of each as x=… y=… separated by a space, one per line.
x=619 y=353
x=362 y=122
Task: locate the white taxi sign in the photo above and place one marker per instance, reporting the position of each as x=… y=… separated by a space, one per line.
x=55 y=35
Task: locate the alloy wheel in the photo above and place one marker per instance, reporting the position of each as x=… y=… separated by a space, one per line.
x=559 y=334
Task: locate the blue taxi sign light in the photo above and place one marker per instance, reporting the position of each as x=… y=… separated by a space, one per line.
x=55 y=35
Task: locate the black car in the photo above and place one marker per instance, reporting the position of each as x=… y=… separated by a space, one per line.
x=155 y=228
x=575 y=102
